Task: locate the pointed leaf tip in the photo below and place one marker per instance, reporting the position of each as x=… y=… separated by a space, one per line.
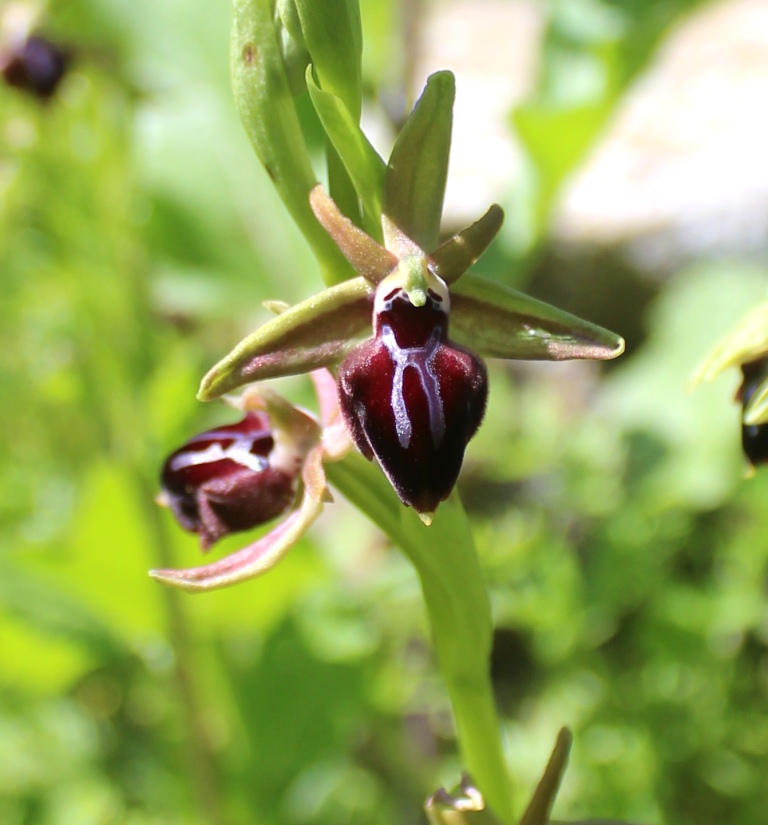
x=540 y=806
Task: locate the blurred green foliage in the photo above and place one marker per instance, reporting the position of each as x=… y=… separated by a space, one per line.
x=627 y=557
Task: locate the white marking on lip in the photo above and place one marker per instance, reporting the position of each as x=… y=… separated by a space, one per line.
x=422 y=360
x=239 y=452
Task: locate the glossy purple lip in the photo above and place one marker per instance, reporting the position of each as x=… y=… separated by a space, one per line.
x=413 y=399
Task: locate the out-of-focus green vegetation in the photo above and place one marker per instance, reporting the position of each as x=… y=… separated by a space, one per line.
x=626 y=555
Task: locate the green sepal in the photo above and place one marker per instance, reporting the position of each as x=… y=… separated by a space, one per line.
x=316 y=333
x=418 y=167
x=334 y=37
x=265 y=103
x=498 y=322
x=453 y=258
x=363 y=164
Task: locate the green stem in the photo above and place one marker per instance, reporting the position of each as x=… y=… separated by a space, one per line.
x=264 y=99
x=459 y=610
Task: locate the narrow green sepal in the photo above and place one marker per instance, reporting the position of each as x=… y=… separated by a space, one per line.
x=316 y=333
x=363 y=164
x=418 y=167
x=453 y=258
x=498 y=322
x=368 y=257
x=334 y=37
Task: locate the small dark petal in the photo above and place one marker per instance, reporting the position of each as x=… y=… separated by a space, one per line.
x=221 y=481
x=37 y=67
x=754 y=438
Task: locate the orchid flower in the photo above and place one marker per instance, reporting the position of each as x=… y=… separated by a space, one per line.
x=395 y=345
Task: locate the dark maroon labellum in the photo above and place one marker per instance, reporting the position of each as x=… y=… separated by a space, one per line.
x=37 y=66
x=754 y=438
x=222 y=481
x=413 y=398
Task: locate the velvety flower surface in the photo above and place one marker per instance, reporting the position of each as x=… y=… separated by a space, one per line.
x=411 y=397
x=224 y=480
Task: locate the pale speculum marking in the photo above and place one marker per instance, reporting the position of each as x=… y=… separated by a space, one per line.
x=422 y=360
x=239 y=452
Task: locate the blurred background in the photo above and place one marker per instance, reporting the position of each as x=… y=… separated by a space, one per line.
x=625 y=551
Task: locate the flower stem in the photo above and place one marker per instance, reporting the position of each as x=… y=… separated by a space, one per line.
x=459 y=610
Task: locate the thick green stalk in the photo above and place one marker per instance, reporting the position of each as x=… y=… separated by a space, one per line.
x=459 y=610
x=266 y=106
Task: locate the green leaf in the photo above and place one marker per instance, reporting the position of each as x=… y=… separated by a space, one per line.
x=333 y=35
x=315 y=333
x=540 y=806
x=499 y=322
x=453 y=258
x=341 y=187
x=266 y=107
x=363 y=164
x=418 y=167
x=294 y=50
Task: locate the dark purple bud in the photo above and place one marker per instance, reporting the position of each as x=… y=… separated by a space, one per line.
x=226 y=480
x=37 y=66
x=413 y=398
x=754 y=438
